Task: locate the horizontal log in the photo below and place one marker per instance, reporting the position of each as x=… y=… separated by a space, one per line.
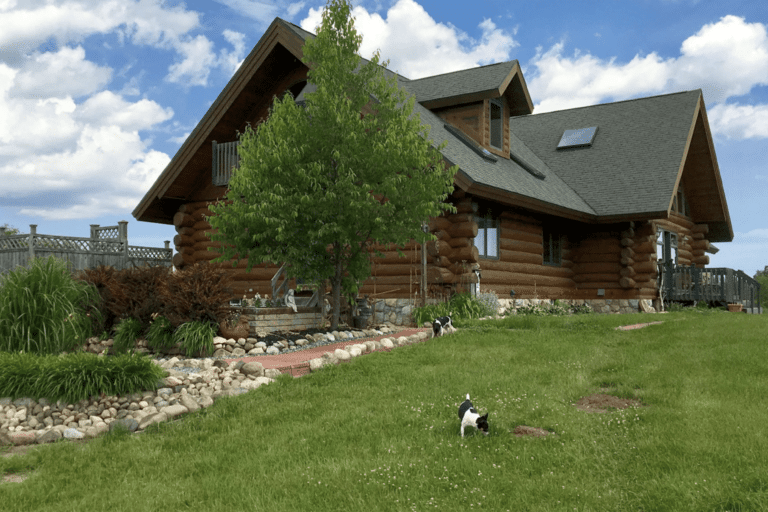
x=596 y=278
x=646 y=229
x=645 y=247
x=205 y=255
x=180 y=260
x=439 y=223
x=702 y=245
x=520 y=227
x=701 y=260
x=627 y=282
x=441 y=234
x=189 y=251
x=627 y=252
x=204 y=245
x=519 y=217
x=700 y=228
x=463 y=229
x=641 y=278
x=627 y=272
x=698 y=236
x=459 y=242
x=597 y=268
x=460 y=217
x=201 y=214
x=685 y=262
x=182 y=240
x=516 y=257
x=645 y=266
x=627 y=262
x=627 y=242
x=469 y=254
x=466 y=205
x=439 y=248
x=388 y=257
x=395 y=269
x=536 y=269
x=181 y=220
x=596 y=285
x=682 y=253
x=590 y=257
x=628 y=233
x=187 y=231
x=514 y=235
x=442 y=261
x=440 y=275
x=521 y=246
x=201 y=225
x=202 y=235
x=496 y=277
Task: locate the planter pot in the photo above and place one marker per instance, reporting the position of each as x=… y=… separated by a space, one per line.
x=240 y=330
x=735 y=308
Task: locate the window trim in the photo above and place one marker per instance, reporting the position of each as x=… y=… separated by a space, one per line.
x=499 y=103
x=484 y=223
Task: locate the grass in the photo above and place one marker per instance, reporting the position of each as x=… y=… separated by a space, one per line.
x=382 y=433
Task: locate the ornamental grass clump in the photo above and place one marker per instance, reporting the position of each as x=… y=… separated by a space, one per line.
x=126 y=333
x=196 y=338
x=160 y=335
x=76 y=376
x=44 y=310
x=462 y=306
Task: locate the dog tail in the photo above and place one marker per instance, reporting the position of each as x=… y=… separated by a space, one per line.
x=467 y=396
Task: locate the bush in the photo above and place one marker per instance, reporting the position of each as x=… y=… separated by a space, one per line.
x=460 y=307
x=44 y=310
x=554 y=309
x=126 y=333
x=74 y=377
x=196 y=338
x=103 y=278
x=136 y=293
x=160 y=335
x=198 y=293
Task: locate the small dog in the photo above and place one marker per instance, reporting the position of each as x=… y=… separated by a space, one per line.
x=470 y=418
x=441 y=326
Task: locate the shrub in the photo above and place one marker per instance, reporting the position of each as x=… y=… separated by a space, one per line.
x=103 y=278
x=198 y=293
x=42 y=308
x=555 y=309
x=136 y=293
x=196 y=338
x=160 y=335
x=128 y=330
x=77 y=376
x=461 y=307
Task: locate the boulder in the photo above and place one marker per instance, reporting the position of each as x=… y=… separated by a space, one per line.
x=342 y=355
x=252 y=368
x=128 y=424
x=189 y=402
x=49 y=437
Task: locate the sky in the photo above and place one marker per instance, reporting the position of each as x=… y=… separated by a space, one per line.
x=96 y=96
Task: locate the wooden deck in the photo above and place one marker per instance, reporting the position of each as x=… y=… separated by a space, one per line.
x=712 y=285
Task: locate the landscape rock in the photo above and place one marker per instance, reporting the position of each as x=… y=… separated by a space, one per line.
x=252 y=368
x=129 y=424
x=73 y=433
x=49 y=437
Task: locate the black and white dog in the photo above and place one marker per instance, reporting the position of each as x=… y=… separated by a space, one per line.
x=441 y=326
x=470 y=418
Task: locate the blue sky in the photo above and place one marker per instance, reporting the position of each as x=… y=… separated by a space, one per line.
x=96 y=96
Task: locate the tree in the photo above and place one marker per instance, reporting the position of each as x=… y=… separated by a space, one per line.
x=318 y=185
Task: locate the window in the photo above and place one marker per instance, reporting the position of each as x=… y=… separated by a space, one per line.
x=487 y=239
x=666 y=247
x=497 y=126
x=553 y=247
x=680 y=203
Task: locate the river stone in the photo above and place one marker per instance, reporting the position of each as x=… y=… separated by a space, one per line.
x=21 y=438
x=49 y=437
x=73 y=433
x=152 y=418
x=174 y=410
x=273 y=350
x=189 y=402
x=252 y=368
x=129 y=424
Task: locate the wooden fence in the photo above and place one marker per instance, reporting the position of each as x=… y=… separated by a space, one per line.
x=718 y=285
x=106 y=246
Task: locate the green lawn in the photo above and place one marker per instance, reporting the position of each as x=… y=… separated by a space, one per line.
x=382 y=432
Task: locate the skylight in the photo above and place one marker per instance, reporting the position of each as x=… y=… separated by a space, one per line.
x=579 y=138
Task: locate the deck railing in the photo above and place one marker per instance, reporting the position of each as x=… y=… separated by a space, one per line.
x=713 y=285
x=107 y=245
x=225 y=158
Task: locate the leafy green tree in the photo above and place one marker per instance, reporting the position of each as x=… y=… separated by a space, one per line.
x=10 y=230
x=317 y=185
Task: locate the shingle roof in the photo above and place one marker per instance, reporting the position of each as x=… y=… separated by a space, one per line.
x=632 y=165
x=459 y=83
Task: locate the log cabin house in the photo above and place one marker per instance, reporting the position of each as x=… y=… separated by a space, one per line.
x=579 y=205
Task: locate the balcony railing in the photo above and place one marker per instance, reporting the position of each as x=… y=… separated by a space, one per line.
x=225 y=159
x=713 y=285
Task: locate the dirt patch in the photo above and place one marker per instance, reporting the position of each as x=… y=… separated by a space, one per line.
x=601 y=402
x=523 y=430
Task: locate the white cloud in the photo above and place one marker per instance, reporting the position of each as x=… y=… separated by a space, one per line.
x=108 y=108
x=198 y=61
x=441 y=48
x=724 y=59
x=230 y=61
x=60 y=74
x=736 y=121
x=259 y=11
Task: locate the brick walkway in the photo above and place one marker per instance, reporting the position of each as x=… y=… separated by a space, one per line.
x=297 y=363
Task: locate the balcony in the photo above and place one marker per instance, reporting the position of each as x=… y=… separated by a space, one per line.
x=225 y=159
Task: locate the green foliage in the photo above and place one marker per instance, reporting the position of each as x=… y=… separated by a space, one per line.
x=43 y=310
x=555 y=309
x=762 y=279
x=462 y=306
x=198 y=293
x=127 y=332
x=317 y=185
x=196 y=338
x=76 y=376
x=160 y=335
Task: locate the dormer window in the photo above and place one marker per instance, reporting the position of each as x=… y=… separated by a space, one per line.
x=497 y=127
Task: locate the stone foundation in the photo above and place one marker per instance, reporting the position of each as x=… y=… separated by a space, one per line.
x=597 y=305
x=394 y=311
